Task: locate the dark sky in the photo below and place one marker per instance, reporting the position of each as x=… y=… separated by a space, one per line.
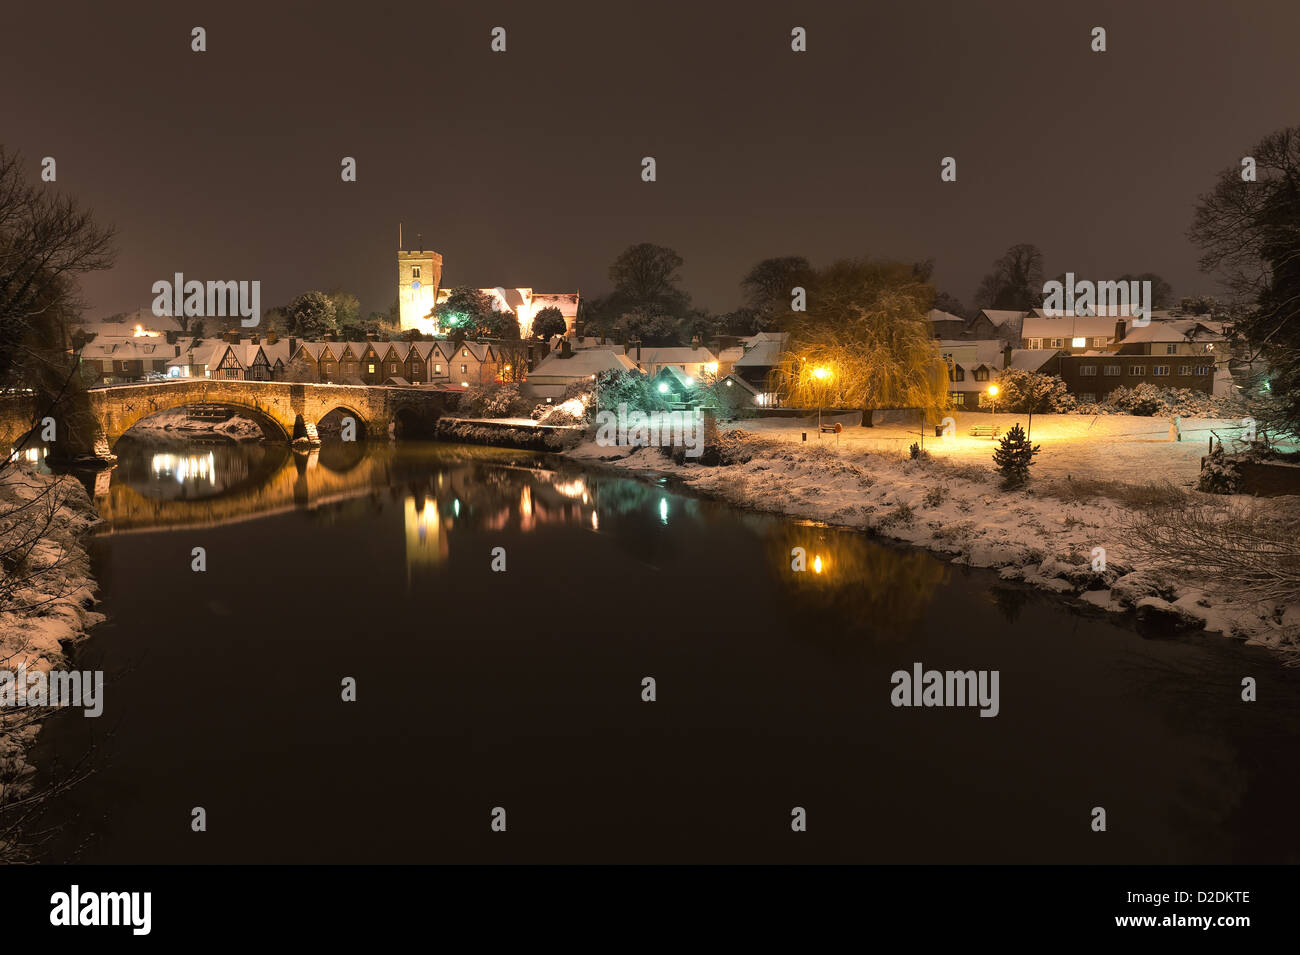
x=523 y=168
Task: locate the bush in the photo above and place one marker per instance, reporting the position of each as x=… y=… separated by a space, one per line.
x=494 y=401
x=628 y=387
x=1219 y=475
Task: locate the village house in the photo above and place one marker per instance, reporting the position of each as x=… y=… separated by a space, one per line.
x=564 y=367
x=692 y=361
x=972 y=367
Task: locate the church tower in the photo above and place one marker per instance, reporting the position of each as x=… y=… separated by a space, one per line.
x=418 y=275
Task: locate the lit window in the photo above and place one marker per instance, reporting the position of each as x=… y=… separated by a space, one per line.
x=1079 y=343
x=437 y=369
x=371 y=366
x=464 y=369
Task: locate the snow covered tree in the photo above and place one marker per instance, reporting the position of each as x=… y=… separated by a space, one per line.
x=1249 y=232
x=1013 y=457
x=864 y=342
x=465 y=311
x=549 y=321
x=1029 y=392
x=312 y=315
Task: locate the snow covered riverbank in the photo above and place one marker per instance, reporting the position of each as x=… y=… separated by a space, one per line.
x=178 y=422
x=46 y=598
x=1068 y=532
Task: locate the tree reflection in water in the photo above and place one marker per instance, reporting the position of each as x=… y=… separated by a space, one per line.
x=849 y=577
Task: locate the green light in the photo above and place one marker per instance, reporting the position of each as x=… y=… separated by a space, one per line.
x=663 y=388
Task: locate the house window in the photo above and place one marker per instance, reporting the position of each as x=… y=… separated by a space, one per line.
x=1034 y=343
x=1112 y=371
x=437 y=369
x=1171 y=349
x=1088 y=371
x=1184 y=370
x=415 y=271
x=464 y=369
x=1087 y=397
x=959 y=397
x=957 y=373
x=1202 y=369
x=1058 y=343
x=329 y=369
x=1137 y=371
x=392 y=367
x=1160 y=371
x=371 y=366
x=981 y=374
x=1100 y=342
x=464 y=353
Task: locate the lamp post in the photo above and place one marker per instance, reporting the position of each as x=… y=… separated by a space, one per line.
x=822 y=374
x=993 y=394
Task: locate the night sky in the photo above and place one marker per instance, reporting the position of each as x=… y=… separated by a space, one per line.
x=523 y=168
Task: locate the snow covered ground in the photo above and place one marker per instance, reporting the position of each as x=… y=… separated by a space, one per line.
x=1046 y=535
x=46 y=597
x=1105 y=447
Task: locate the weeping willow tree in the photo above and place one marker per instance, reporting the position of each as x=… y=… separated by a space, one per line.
x=864 y=343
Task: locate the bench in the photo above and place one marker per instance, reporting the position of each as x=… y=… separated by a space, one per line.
x=832 y=428
x=985 y=431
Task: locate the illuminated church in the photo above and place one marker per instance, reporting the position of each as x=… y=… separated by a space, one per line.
x=419 y=281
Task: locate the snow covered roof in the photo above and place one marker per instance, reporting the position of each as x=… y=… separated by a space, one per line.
x=988 y=350
x=735 y=381
x=677 y=378
x=1000 y=316
x=566 y=302
x=764 y=350
x=582 y=364
x=937 y=315
x=681 y=355
x=1177 y=330
x=1031 y=359
x=1071 y=326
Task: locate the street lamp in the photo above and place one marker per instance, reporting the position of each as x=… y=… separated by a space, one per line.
x=993 y=394
x=822 y=374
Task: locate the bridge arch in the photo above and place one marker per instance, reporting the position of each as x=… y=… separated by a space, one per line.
x=331 y=422
x=272 y=428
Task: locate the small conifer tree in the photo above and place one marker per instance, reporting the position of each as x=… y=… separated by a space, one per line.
x=1014 y=456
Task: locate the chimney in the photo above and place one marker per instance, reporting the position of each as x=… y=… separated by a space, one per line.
x=1119 y=331
x=232 y=338
x=293 y=344
x=255 y=339
x=695 y=342
x=272 y=338
x=1006 y=357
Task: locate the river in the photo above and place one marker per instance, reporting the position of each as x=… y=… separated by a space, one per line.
x=522 y=689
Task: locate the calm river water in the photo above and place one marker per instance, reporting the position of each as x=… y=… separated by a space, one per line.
x=522 y=689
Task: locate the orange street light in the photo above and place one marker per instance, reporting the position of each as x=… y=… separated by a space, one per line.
x=993 y=393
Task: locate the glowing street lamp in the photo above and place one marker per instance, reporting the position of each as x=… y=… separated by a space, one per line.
x=993 y=394
x=822 y=374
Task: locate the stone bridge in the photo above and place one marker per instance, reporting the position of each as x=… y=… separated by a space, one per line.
x=89 y=423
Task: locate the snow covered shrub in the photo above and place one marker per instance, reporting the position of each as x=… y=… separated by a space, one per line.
x=494 y=401
x=1144 y=399
x=1031 y=392
x=1219 y=475
x=1014 y=456
x=632 y=388
x=935 y=496
x=917 y=453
